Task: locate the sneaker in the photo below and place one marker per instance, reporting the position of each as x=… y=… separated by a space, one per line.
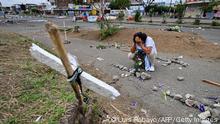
x=152 y=69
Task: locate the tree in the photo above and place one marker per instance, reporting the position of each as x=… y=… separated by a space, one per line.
x=120 y=4
x=145 y=3
x=180 y=8
x=209 y=7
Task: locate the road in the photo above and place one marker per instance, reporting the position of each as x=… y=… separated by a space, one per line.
x=141 y=91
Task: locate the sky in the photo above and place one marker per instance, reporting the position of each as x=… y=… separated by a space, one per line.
x=11 y=2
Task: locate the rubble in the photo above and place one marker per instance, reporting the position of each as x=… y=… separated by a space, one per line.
x=204 y=115
x=168 y=93
x=155 y=88
x=100 y=59
x=138 y=74
x=175 y=60
x=189 y=96
x=145 y=76
x=122 y=75
x=216 y=105
x=179 y=78
x=189 y=102
x=115 y=78
x=205 y=122
x=178 y=96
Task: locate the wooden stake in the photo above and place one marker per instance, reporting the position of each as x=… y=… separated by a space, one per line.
x=211 y=82
x=55 y=36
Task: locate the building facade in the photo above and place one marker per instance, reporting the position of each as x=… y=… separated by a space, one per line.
x=193 y=8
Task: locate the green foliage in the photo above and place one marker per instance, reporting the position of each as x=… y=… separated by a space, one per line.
x=215 y=23
x=164 y=18
x=121 y=15
x=180 y=8
x=107 y=29
x=209 y=7
x=137 y=16
x=119 y=4
x=196 y=22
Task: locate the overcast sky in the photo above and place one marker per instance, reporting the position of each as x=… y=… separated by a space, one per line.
x=11 y=2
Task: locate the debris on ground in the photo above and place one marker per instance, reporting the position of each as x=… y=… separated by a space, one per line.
x=100 y=59
x=205 y=106
x=204 y=115
x=142 y=75
x=100 y=47
x=145 y=76
x=174 y=28
x=205 y=122
x=155 y=88
x=211 y=82
x=115 y=78
x=134 y=104
x=180 y=78
x=175 y=60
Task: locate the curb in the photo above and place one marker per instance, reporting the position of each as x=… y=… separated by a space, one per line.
x=171 y=24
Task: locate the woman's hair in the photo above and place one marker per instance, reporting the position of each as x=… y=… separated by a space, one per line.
x=141 y=35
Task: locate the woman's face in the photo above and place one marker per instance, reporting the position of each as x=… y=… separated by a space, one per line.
x=138 y=40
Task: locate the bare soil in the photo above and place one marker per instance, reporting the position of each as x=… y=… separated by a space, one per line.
x=166 y=41
x=20 y=74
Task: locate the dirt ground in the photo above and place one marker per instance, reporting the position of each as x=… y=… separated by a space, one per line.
x=132 y=89
x=28 y=91
x=169 y=42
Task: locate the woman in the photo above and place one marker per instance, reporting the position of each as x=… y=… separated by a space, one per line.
x=143 y=51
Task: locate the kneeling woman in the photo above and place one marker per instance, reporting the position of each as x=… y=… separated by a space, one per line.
x=143 y=51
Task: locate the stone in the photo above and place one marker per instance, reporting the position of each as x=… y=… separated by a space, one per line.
x=189 y=102
x=155 y=88
x=190 y=115
x=138 y=74
x=215 y=114
x=183 y=100
x=178 y=96
x=125 y=68
x=216 y=105
x=205 y=122
x=122 y=75
x=132 y=70
x=168 y=92
x=115 y=78
x=121 y=67
x=180 y=57
x=127 y=74
x=204 y=115
x=145 y=76
x=189 y=96
x=168 y=62
x=179 y=78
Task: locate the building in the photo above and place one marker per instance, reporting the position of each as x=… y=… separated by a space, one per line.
x=194 y=10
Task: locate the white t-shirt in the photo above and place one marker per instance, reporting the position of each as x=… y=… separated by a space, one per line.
x=149 y=43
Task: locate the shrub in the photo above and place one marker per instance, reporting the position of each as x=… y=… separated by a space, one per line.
x=179 y=21
x=215 y=23
x=121 y=15
x=107 y=29
x=196 y=22
x=137 y=16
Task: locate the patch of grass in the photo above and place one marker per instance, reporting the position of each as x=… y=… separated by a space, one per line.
x=37 y=89
x=215 y=23
x=107 y=29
